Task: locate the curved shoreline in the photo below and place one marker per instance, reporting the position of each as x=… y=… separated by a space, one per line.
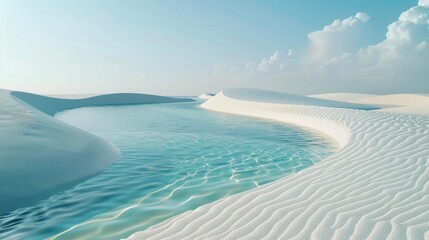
x=335 y=130
x=376 y=186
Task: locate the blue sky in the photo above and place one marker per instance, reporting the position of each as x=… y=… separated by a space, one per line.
x=189 y=47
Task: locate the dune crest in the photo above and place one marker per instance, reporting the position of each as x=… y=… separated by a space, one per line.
x=396 y=100
x=343 y=97
x=206 y=96
x=50 y=105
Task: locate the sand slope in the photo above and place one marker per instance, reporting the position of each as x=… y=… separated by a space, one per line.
x=396 y=100
x=206 y=96
x=422 y=110
x=343 y=97
x=415 y=104
x=264 y=96
x=375 y=187
x=40 y=155
x=51 y=105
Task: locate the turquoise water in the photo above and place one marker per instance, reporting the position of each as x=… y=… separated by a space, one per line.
x=175 y=157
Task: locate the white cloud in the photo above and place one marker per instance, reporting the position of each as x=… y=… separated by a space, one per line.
x=337 y=60
x=400 y=61
x=364 y=17
x=275 y=64
x=337 y=38
x=421 y=46
x=341 y=25
x=424 y=3
x=267 y=64
x=410 y=31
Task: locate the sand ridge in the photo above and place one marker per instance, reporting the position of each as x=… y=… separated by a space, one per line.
x=343 y=97
x=416 y=104
x=396 y=100
x=206 y=96
x=51 y=105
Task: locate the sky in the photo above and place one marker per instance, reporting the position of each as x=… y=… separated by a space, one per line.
x=191 y=47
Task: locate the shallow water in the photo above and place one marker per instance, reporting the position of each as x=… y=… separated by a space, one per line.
x=175 y=157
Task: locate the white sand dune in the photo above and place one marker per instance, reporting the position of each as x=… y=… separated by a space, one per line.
x=396 y=100
x=343 y=97
x=422 y=110
x=206 y=96
x=375 y=187
x=390 y=100
x=416 y=104
x=265 y=96
x=40 y=155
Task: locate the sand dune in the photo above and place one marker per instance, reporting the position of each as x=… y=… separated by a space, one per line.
x=40 y=155
x=343 y=97
x=375 y=187
x=422 y=110
x=285 y=98
x=206 y=96
x=396 y=100
x=390 y=100
x=416 y=104
x=51 y=105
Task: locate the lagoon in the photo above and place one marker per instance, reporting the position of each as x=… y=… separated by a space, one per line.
x=175 y=157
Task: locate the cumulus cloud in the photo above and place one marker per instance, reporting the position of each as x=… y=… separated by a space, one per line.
x=266 y=63
x=337 y=37
x=326 y=43
x=277 y=63
x=341 y=25
x=401 y=59
x=410 y=32
x=421 y=46
x=424 y=3
x=273 y=64
x=337 y=60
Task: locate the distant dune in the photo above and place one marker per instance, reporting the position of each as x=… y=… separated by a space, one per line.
x=396 y=100
x=285 y=98
x=206 y=96
x=51 y=105
x=343 y=97
x=40 y=155
x=416 y=104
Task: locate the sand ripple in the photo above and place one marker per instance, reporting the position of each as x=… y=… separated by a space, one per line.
x=375 y=187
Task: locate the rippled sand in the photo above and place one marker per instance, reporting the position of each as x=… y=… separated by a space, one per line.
x=375 y=187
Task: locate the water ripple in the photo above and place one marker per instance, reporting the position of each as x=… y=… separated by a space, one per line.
x=175 y=158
